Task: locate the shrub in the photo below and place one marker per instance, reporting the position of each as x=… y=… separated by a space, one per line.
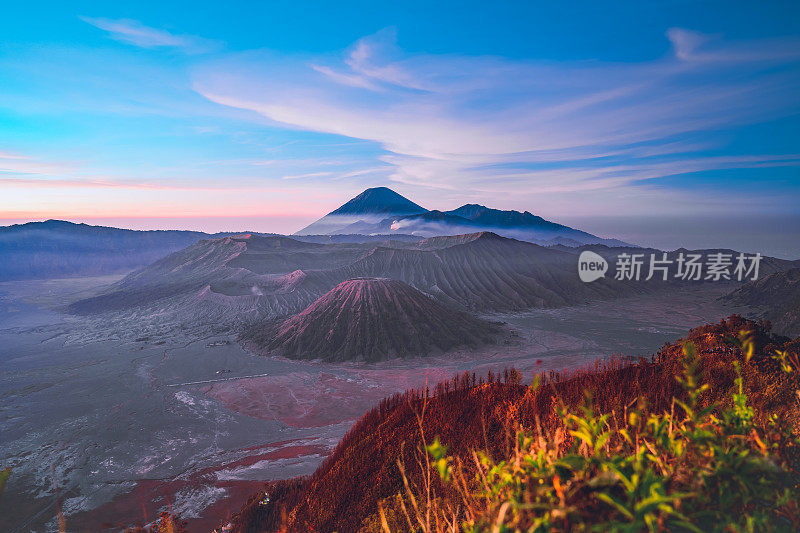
x=700 y=466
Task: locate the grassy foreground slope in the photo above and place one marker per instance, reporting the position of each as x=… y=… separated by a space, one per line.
x=705 y=428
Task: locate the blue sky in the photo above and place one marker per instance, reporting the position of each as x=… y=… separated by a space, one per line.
x=266 y=115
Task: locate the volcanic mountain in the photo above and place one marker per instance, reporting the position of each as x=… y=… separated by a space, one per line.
x=381 y=211
x=247 y=278
x=527 y=226
x=273 y=276
x=371 y=319
x=363 y=212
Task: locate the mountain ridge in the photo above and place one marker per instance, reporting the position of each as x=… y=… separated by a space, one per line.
x=59 y=248
x=479 y=272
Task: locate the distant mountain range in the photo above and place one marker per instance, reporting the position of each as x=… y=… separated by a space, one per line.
x=270 y=276
x=56 y=248
x=238 y=281
x=376 y=232
x=382 y=211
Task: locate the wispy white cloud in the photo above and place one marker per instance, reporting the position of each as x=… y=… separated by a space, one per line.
x=460 y=123
x=352 y=80
x=306 y=175
x=13 y=164
x=685 y=42
x=135 y=33
x=693 y=46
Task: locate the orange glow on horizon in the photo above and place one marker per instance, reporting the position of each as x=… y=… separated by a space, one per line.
x=277 y=223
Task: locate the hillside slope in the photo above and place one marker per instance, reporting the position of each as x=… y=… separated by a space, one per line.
x=343 y=494
x=486 y=272
x=777 y=296
x=233 y=276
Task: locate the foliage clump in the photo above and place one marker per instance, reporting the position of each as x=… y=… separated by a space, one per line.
x=699 y=466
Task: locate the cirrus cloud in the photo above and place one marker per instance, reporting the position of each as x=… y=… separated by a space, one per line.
x=135 y=33
x=486 y=123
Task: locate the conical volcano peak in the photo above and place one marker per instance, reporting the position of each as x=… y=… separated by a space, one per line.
x=372 y=319
x=379 y=200
x=363 y=213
